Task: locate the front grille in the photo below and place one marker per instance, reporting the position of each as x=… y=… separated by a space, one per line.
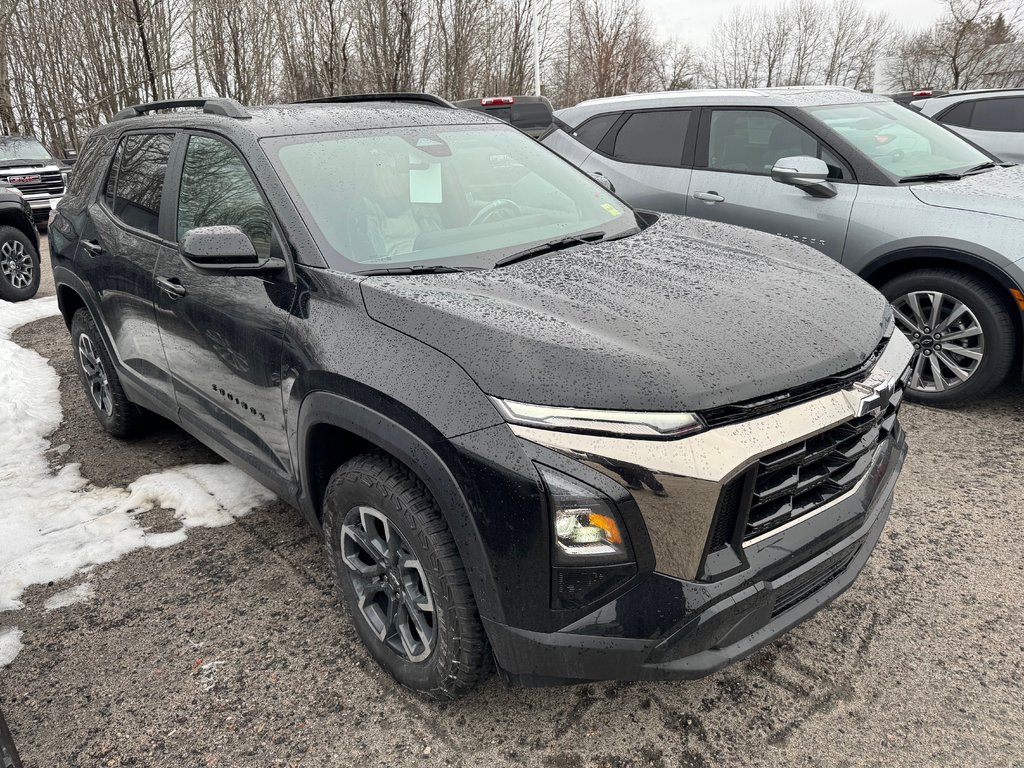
x=751 y=409
x=800 y=478
x=50 y=182
x=802 y=587
x=726 y=515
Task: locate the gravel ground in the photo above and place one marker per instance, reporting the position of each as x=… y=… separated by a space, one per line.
x=231 y=650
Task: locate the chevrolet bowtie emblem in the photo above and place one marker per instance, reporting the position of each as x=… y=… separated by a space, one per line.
x=874 y=393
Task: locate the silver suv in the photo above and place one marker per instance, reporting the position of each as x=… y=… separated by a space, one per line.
x=991 y=119
x=931 y=220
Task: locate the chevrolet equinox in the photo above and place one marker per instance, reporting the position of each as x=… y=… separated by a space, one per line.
x=536 y=428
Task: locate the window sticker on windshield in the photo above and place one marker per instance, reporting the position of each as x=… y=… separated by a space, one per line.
x=425 y=183
x=611 y=209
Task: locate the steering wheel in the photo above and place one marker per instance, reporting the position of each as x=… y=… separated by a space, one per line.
x=502 y=203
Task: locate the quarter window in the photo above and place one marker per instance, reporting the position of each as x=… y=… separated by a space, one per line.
x=1006 y=114
x=593 y=130
x=959 y=115
x=135 y=182
x=653 y=138
x=217 y=189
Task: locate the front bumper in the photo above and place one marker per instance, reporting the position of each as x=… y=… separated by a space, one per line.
x=667 y=628
x=41 y=205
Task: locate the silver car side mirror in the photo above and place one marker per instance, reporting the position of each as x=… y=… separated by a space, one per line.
x=804 y=172
x=603 y=180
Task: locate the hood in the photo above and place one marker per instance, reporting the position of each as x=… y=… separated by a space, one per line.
x=686 y=315
x=999 y=192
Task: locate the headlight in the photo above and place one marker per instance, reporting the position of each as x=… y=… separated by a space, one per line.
x=637 y=424
x=586 y=525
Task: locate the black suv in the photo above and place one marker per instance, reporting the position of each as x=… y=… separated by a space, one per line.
x=532 y=424
x=19 y=247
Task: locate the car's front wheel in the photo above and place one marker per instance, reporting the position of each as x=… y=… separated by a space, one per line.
x=402 y=579
x=118 y=415
x=19 y=266
x=962 y=333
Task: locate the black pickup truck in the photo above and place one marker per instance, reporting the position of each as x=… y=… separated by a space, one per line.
x=19 y=246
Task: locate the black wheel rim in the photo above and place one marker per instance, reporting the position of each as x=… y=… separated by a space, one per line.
x=16 y=264
x=391 y=589
x=95 y=375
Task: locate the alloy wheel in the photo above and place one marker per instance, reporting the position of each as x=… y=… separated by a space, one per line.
x=949 y=344
x=95 y=374
x=16 y=264
x=390 y=586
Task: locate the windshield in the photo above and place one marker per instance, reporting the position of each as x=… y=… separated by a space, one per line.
x=460 y=196
x=17 y=148
x=899 y=140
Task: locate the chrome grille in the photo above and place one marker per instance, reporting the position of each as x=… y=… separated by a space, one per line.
x=50 y=182
x=800 y=478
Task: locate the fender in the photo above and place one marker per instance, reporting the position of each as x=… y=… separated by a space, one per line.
x=422 y=458
x=922 y=252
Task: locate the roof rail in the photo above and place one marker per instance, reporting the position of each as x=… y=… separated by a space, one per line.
x=217 y=106
x=423 y=98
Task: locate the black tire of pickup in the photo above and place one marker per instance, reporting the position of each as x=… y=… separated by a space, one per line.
x=460 y=656
x=16 y=247
x=114 y=411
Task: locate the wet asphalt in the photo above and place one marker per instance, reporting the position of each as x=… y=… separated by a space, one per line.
x=231 y=649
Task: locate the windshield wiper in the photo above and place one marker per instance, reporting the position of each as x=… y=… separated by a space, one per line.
x=419 y=269
x=551 y=246
x=979 y=168
x=940 y=176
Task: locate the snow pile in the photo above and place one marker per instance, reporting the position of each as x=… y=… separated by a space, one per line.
x=10 y=645
x=78 y=594
x=54 y=525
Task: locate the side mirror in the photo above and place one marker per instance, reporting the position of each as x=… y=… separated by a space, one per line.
x=225 y=250
x=807 y=173
x=70 y=155
x=603 y=180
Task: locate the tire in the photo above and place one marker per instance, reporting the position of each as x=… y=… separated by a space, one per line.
x=979 y=342
x=19 y=266
x=103 y=390
x=373 y=499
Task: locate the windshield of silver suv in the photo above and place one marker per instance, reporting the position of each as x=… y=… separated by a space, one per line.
x=19 y=148
x=462 y=196
x=901 y=141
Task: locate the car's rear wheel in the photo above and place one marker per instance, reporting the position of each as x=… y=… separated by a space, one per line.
x=118 y=415
x=19 y=266
x=962 y=333
x=401 y=577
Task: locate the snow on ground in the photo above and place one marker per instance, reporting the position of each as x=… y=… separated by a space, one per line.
x=54 y=525
x=10 y=645
x=78 y=594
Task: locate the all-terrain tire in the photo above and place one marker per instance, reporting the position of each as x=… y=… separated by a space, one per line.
x=460 y=656
x=103 y=391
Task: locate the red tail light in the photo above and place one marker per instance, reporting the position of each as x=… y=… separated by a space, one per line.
x=495 y=101
x=920 y=94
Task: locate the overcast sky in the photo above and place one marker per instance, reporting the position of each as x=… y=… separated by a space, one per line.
x=693 y=19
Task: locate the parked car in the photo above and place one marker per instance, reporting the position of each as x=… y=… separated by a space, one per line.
x=26 y=164
x=531 y=423
x=530 y=114
x=19 y=247
x=8 y=752
x=932 y=221
x=915 y=98
x=991 y=119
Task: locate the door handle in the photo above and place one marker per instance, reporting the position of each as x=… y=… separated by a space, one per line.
x=708 y=197
x=92 y=247
x=171 y=286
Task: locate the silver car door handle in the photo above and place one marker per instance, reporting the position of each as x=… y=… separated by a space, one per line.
x=708 y=197
x=92 y=247
x=171 y=286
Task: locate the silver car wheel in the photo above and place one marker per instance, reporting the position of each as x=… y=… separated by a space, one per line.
x=95 y=374
x=391 y=588
x=16 y=264
x=949 y=343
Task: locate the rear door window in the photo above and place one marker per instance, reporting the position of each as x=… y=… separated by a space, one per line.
x=135 y=182
x=653 y=138
x=1005 y=114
